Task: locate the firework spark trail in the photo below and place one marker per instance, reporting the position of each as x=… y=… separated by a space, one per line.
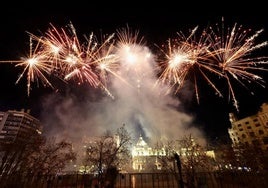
x=234 y=57
x=132 y=56
x=36 y=67
x=105 y=60
x=70 y=59
x=228 y=55
x=187 y=57
x=59 y=53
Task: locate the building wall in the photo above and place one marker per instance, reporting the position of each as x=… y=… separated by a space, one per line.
x=145 y=158
x=251 y=130
x=17 y=126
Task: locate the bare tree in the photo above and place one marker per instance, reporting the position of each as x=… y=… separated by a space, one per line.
x=51 y=158
x=108 y=153
x=166 y=162
x=192 y=157
x=27 y=162
x=250 y=157
x=13 y=155
x=225 y=157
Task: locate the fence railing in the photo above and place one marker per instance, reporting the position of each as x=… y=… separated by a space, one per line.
x=230 y=179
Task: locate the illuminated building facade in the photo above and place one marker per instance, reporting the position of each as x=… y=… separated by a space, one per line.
x=18 y=126
x=251 y=130
x=144 y=156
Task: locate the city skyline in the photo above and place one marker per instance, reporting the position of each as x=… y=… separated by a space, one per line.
x=211 y=114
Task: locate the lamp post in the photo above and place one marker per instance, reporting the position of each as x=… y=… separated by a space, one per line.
x=178 y=161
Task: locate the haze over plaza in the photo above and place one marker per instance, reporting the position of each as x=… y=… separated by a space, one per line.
x=72 y=105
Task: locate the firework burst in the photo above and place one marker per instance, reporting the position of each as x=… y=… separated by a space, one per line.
x=186 y=57
x=35 y=66
x=133 y=56
x=68 y=57
x=226 y=54
x=234 y=57
x=59 y=53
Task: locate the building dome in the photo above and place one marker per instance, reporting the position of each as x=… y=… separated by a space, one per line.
x=141 y=142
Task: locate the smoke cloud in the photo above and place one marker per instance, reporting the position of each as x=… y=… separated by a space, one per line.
x=137 y=101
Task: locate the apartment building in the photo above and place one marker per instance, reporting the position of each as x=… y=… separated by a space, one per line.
x=18 y=126
x=251 y=130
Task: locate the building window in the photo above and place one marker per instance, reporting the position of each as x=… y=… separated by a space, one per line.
x=246 y=122
x=265 y=140
x=261 y=132
x=255 y=142
x=252 y=134
x=257 y=125
x=244 y=136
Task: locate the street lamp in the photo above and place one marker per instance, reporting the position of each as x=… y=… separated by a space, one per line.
x=178 y=161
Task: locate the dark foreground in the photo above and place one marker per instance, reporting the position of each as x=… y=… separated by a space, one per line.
x=144 y=180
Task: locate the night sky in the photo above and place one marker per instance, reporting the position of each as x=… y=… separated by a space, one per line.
x=155 y=23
